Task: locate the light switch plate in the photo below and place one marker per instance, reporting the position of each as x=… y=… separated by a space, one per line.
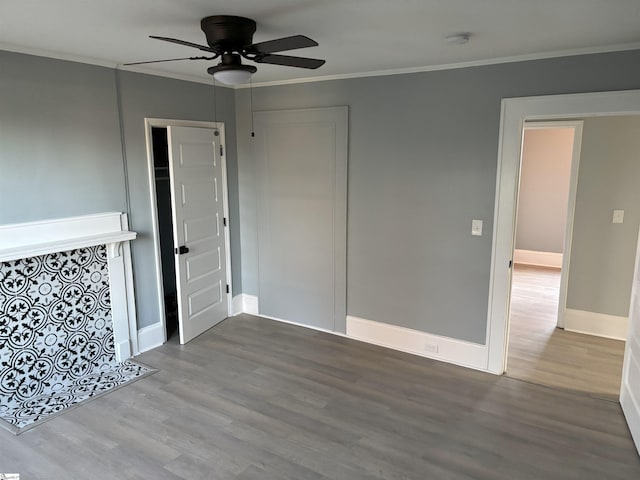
x=618 y=216
x=476 y=228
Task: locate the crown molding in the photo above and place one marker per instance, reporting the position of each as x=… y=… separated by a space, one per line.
x=175 y=76
x=9 y=47
x=452 y=66
x=346 y=76
x=105 y=63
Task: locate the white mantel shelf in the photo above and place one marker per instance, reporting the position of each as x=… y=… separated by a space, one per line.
x=24 y=240
x=43 y=248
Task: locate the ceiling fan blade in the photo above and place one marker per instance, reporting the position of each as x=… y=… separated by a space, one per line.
x=183 y=42
x=171 y=60
x=288 y=61
x=282 y=44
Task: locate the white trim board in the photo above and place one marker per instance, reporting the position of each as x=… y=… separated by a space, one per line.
x=151 y=336
x=244 y=303
x=237 y=305
x=297 y=324
x=395 y=71
x=598 y=324
x=445 y=349
x=250 y=304
x=514 y=113
x=539 y=259
x=450 y=66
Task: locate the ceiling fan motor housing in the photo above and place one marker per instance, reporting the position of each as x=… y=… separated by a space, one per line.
x=228 y=33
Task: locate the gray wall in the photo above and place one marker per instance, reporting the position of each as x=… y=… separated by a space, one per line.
x=422 y=164
x=544 y=189
x=61 y=150
x=145 y=96
x=603 y=253
x=423 y=151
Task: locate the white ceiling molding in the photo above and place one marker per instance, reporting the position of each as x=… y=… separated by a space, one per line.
x=452 y=66
x=376 y=73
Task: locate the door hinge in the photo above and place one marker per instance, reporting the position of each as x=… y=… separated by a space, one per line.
x=224 y=221
x=227 y=288
x=510 y=263
x=221 y=151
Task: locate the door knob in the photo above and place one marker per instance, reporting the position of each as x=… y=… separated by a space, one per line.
x=181 y=250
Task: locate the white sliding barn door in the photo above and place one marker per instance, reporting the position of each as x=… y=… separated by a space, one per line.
x=630 y=391
x=197 y=185
x=301 y=159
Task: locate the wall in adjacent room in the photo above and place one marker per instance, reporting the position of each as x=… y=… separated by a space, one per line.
x=543 y=196
x=603 y=253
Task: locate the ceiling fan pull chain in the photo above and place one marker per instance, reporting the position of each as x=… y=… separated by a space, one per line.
x=253 y=133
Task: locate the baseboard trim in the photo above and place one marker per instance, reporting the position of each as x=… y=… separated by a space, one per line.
x=297 y=324
x=539 y=259
x=598 y=324
x=250 y=304
x=149 y=337
x=445 y=349
x=123 y=350
x=237 y=305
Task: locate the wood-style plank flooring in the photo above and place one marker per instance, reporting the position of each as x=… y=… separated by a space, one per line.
x=541 y=353
x=258 y=399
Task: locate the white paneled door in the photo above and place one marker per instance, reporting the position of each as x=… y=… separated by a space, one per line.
x=198 y=191
x=630 y=391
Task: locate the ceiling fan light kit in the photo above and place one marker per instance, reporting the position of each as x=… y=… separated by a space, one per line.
x=231 y=71
x=230 y=38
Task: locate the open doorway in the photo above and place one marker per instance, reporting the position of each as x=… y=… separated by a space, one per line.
x=160 y=152
x=584 y=283
x=595 y=286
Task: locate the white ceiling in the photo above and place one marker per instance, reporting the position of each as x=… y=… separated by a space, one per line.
x=355 y=36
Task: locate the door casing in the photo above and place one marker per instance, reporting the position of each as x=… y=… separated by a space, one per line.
x=514 y=113
x=164 y=123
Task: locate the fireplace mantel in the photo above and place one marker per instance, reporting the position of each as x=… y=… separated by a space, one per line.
x=32 y=239
x=23 y=240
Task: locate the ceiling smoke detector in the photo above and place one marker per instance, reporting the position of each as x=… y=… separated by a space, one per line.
x=458 y=38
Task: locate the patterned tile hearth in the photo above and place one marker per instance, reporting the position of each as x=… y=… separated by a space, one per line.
x=56 y=335
x=21 y=415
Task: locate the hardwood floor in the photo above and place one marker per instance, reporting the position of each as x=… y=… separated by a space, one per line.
x=257 y=399
x=543 y=354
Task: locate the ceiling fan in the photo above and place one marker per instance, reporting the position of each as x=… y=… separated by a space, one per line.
x=230 y=38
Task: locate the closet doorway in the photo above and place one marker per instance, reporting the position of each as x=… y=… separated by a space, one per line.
x=187 y=175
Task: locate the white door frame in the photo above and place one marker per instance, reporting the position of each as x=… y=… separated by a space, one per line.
x=514 y=113
x=149 y=123
x=571 y=203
